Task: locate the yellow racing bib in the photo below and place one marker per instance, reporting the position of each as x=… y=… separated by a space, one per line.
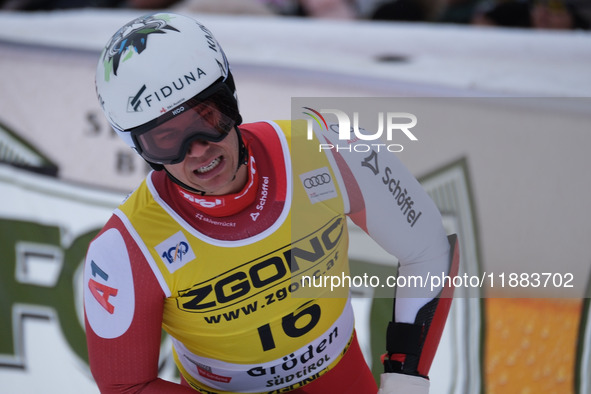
x=241 y=313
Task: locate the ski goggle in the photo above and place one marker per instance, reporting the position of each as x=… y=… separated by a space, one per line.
x=210 y=116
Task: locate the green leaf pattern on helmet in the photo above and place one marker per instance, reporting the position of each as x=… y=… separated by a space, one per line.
x=133 y=38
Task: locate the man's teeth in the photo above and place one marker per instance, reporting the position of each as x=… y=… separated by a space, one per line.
x=210 y=166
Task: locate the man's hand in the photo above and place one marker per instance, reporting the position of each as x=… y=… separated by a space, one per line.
x=398 y=383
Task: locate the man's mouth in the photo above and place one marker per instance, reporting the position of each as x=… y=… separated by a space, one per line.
x=215 y=162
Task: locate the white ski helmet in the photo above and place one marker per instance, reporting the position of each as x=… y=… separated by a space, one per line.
x=155 y=64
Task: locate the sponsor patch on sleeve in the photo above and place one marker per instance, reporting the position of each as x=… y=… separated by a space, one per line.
x=109 y=297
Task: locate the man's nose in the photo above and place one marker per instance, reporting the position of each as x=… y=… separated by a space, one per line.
x=197 y=148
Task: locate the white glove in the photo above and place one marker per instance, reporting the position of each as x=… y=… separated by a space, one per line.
x=398 y=383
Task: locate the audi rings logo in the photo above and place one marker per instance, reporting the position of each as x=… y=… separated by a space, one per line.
x=317 y=180
x=319 y=185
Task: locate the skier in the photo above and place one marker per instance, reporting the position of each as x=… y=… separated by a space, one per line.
x=213 y=245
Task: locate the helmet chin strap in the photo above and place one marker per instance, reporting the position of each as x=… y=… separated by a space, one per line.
x=242 y=159
x=183 y=185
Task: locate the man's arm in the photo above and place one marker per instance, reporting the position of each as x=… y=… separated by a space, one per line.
x=387 y=201
x=123 y=310
x=411 y=347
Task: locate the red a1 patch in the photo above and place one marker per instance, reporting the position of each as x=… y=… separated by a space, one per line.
x=109 y=298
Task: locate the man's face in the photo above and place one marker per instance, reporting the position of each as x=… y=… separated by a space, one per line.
x=207 y=166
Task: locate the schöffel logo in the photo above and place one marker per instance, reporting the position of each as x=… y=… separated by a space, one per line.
x=319 y=185
x=351 y=133
x=175 y=252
